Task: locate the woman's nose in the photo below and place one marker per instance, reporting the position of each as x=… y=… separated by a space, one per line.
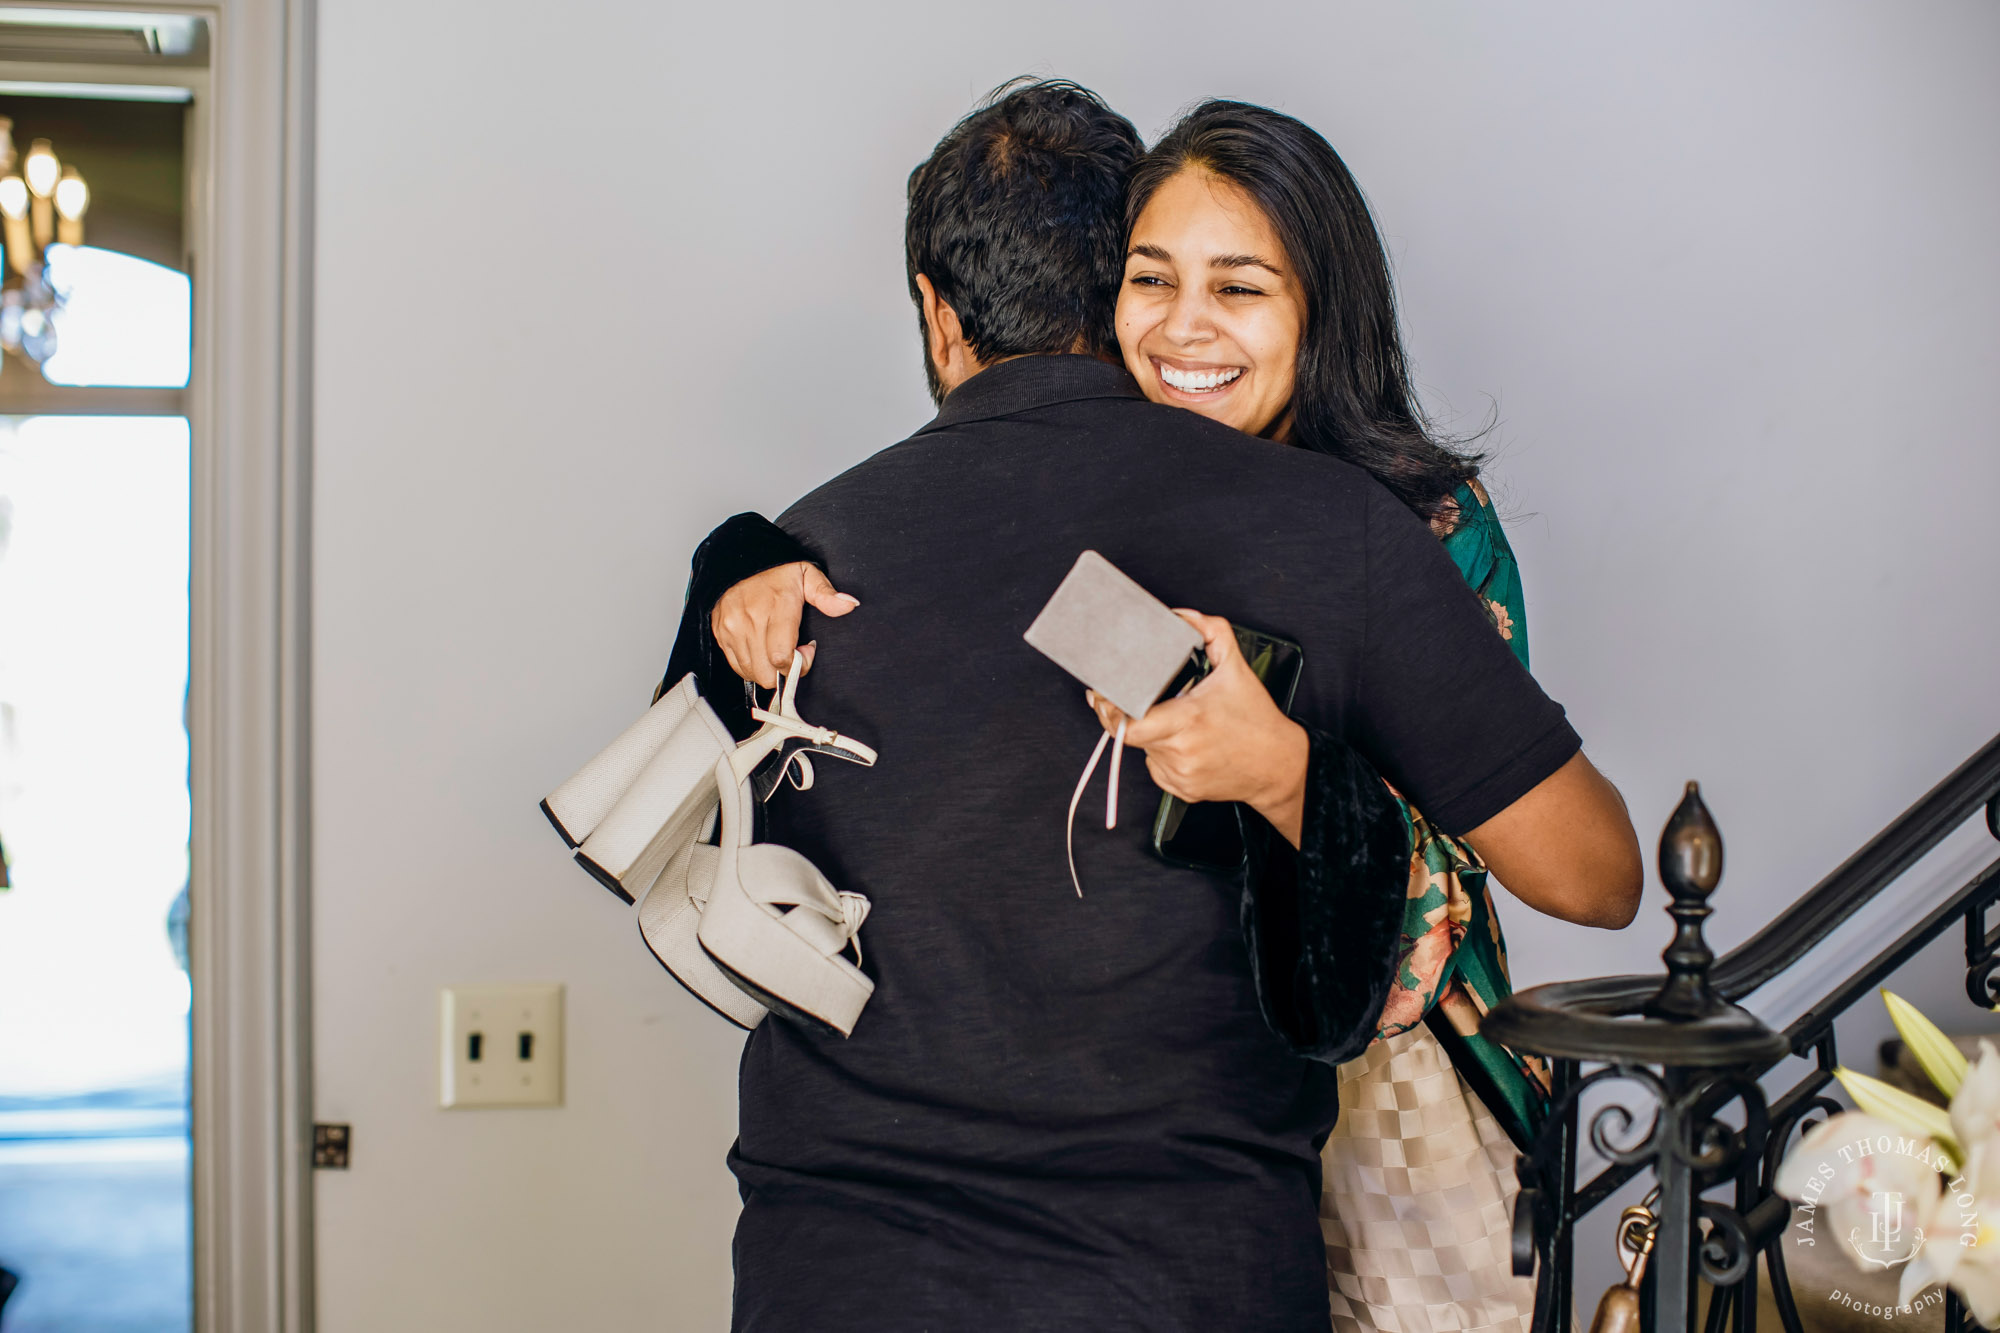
x=1188 y=319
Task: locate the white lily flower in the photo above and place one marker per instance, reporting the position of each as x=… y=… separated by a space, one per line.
x=1846 y=1168
x=1962 y=1240
x=1975 y=1107
x=1871 y=1183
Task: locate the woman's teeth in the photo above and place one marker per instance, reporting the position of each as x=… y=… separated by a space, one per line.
x=1195 y=381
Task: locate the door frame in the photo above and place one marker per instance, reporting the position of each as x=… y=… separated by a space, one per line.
x=249 y=406
x=249 y=673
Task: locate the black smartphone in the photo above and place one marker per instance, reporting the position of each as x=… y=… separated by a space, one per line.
x=1206 y=835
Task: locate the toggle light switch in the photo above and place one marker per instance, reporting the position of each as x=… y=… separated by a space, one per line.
x=502 y=1046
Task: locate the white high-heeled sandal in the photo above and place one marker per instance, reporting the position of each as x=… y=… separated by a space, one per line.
x=663 y=809
x=630 y=845
x=668 y=920
x=670 y=916
x=580 y=803
x=774 y=924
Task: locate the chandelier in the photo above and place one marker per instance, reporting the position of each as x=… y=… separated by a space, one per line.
x=41 y=205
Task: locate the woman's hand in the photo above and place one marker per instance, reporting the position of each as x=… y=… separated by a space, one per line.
x=756 y=623
x=1223 y=740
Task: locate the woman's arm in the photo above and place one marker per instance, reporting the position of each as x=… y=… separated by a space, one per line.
x=1568 y=848
x=736 y=597
x=1322 y=917
x=1328 y=847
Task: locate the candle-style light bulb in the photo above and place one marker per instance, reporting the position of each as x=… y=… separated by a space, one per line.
x=72 y=198
x=14 y=230
x=72 y=195
x=42 y=169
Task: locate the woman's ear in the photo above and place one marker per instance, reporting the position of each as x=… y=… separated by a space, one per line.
x=944 y=338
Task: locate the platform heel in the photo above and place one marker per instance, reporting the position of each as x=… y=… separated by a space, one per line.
x=777 y=928
x=580 y=803
x=670 y=915
x=663 y=809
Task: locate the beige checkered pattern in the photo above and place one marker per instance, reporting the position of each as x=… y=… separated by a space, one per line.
x=1418 y=1199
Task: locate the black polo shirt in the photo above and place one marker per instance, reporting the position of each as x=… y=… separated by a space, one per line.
x=1061 y=1113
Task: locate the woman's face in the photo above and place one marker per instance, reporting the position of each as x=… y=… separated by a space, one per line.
x=1209 y=315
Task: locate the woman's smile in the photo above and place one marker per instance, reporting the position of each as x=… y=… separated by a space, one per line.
x=1193 y=381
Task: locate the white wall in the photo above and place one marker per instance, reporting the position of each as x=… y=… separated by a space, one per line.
x=591 y=277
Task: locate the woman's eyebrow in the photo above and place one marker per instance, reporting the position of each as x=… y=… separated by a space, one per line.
x=1245 y=261
x=1147 y=250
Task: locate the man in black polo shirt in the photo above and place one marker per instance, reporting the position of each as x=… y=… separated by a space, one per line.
x=1064 y=1113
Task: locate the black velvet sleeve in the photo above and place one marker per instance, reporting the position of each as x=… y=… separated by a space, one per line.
x=1324 y=923
x=742 y=546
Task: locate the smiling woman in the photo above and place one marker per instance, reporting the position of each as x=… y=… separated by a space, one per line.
x=1209 y=318
x=1257 y=293
x=1251 y=247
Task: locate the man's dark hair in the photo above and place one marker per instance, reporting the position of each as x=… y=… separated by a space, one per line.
x=1018 y=219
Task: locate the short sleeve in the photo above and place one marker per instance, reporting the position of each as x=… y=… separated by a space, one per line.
x=1443 y=707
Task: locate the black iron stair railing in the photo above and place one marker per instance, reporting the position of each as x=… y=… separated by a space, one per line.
x=1682 y=1043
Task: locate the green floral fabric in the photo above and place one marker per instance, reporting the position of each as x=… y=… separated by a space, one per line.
x=1453 y=956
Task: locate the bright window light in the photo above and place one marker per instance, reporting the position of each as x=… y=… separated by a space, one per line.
x=93 y=752
x=125 y=321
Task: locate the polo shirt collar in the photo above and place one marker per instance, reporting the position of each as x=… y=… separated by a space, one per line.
x=1029 y=382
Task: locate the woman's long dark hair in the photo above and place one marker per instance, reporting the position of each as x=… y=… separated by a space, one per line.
x=1351 y=397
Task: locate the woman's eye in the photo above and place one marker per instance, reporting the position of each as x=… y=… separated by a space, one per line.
x=1234 y=290
x=1147 y=280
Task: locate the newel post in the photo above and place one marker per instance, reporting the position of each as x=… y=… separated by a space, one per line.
x=1687 y=1050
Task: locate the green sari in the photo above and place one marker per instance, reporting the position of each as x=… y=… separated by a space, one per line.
x=1453 y=958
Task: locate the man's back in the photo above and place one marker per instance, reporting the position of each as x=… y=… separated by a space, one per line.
x=1059 y=1112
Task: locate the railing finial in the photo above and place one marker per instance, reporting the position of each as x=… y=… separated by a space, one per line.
x=1690 y=867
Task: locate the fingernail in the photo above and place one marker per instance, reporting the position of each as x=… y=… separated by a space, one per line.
x=849 y=598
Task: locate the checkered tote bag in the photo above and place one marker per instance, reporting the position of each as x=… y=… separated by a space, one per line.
x=1417 y=1204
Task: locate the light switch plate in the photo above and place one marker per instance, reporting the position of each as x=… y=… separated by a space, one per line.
x=502 y=1045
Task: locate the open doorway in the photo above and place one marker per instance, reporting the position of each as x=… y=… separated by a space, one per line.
x=96 y=322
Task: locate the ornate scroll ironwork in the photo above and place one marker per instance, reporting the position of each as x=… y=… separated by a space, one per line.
x=1692 y=1067
x=1982 y=953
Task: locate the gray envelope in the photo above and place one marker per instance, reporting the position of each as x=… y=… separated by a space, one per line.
x=1113 y=635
